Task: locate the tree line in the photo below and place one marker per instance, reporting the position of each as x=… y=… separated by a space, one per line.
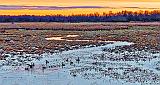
x=123 y=16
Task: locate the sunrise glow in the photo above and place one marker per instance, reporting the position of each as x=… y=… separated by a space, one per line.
x=32 y=7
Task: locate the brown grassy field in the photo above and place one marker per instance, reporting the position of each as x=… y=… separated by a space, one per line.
x=75 y=26
x=31 y=37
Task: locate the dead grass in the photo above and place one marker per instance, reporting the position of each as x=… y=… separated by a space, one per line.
x=34 y=40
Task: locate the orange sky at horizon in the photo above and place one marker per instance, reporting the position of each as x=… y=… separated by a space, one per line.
x=117 y=4
x=65 y=12
x=75 y=2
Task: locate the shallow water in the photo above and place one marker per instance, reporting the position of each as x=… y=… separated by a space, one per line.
x=55 y=38
x=72 y=35
x=88 y=71
x=78 y=40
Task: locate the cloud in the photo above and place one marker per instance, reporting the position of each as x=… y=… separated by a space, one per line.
x=140 y=7
x=10 y=7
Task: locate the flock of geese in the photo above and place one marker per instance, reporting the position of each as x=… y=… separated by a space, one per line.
x=98 y=65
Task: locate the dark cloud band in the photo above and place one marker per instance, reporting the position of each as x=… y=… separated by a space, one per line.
x=10 y=7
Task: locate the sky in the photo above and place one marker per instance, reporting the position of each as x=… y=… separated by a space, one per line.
x=67 y=7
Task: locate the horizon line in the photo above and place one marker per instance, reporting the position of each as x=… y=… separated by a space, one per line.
x=148 y=12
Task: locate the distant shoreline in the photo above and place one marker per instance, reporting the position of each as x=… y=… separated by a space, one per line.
x=82 y=26
x=85 y=22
